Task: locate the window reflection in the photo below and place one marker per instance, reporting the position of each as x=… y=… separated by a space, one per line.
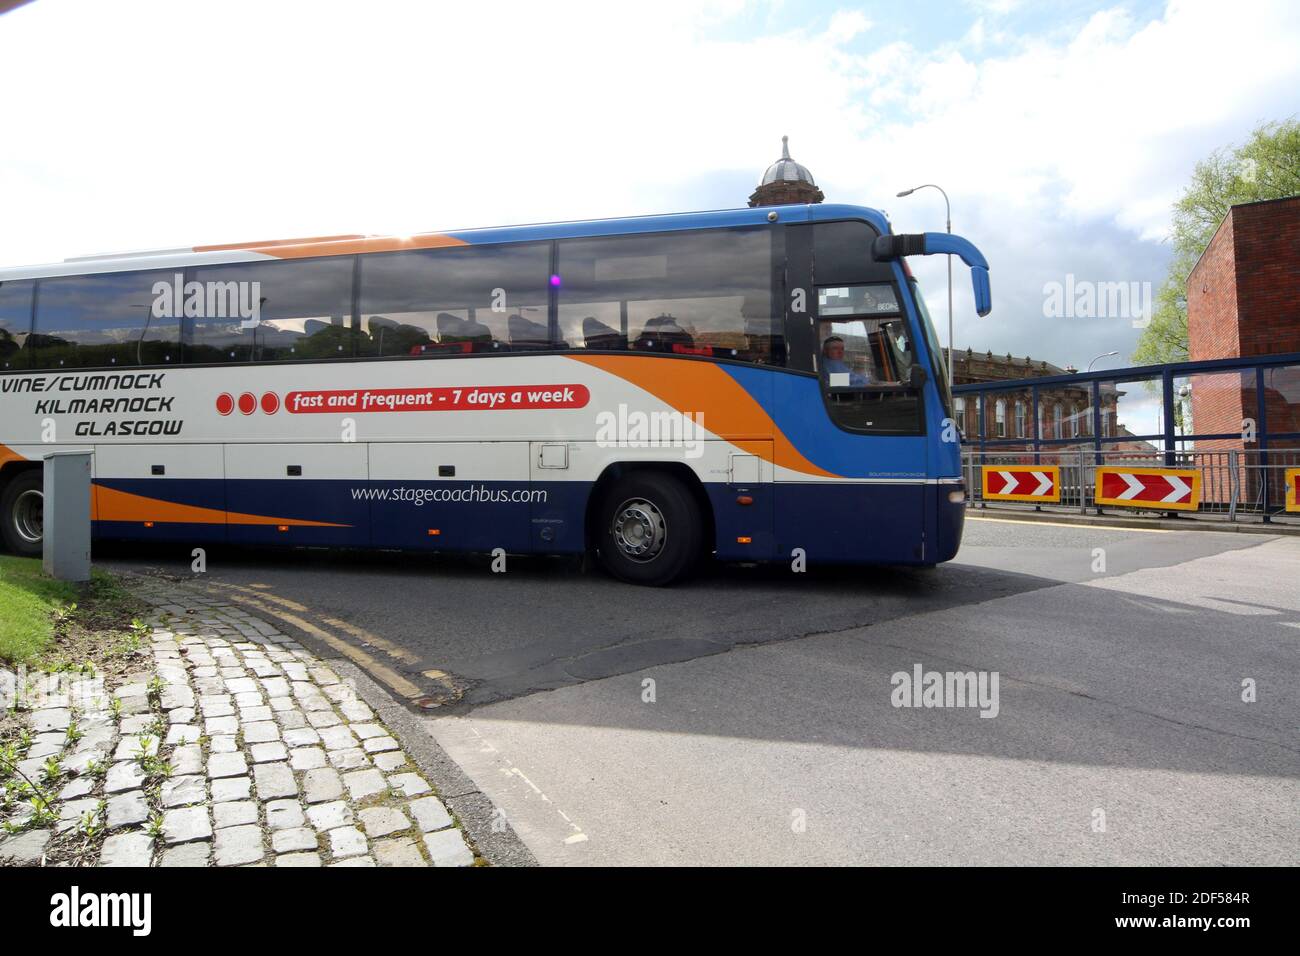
x=15 y=321
x=305 y=309
x=102 y=320
x=690 y=293
x=471 y=299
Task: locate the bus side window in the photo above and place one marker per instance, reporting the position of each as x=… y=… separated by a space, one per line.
x=15 y=322
x=704 y=293
x=299 y=309
x=457 y=300
x=102 y=321
x=593 y=325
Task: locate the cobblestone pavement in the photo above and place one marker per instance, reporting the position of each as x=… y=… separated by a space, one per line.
x=238 y=747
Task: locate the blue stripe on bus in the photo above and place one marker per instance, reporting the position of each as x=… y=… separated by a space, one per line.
x=831 y=522
x=794 y=403
x=670 y=223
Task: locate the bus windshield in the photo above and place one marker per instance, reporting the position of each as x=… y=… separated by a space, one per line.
x=938 y=357
x=866 y=358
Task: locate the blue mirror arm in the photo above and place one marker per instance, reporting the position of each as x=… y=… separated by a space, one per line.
x=942 y=243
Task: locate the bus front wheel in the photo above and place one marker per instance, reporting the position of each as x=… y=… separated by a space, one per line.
x=22 y=513
x=650 y=529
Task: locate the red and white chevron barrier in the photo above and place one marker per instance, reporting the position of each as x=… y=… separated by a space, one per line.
x=1164 y=488
x=1022 y=483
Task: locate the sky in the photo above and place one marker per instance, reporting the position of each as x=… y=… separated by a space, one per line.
x=1062 y=131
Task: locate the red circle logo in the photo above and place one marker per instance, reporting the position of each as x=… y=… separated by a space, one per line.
x=225 y=404
x=270 y=403
x=248 y=403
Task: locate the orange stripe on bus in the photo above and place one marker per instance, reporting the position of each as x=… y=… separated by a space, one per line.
x=109 y=504
x=340 y=245
x=730 y=412
x=7 y=455
x=263 y=243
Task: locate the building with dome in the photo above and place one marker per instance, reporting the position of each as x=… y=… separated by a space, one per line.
x=786 y=183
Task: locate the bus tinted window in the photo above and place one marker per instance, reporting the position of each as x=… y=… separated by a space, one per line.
x=101 y=321
x=695 y=293
x=303 y=307
x=842 y=253
x=455 y=300
x=15 y=321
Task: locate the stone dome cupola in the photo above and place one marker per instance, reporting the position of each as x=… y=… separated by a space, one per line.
x=786 y=183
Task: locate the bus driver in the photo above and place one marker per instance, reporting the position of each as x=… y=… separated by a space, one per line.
x=833 y=362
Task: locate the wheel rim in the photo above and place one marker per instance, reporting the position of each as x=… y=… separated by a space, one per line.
x=639 y=530
x=29 y=516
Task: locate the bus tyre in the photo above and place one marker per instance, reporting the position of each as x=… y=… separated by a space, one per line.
x=650 y=529
x=22 y=512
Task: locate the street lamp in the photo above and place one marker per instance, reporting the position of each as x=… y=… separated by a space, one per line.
x=1099 y=357
x=948 y=208
x=1183 y=420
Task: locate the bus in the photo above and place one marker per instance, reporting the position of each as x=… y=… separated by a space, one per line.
x=755 y=385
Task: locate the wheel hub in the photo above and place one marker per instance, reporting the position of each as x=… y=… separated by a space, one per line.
x=640 y=530
x=29 y=516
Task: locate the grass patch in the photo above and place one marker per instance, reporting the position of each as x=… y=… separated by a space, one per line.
x=29 y=602
x=54 y=624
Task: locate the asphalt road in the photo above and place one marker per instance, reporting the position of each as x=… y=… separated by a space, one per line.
x=768 y=735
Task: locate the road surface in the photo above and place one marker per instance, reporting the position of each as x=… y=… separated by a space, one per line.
x=1146 y=708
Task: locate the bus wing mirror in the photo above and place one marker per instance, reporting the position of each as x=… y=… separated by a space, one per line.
x=916 y=378
x=941 y=243
x=979 y=278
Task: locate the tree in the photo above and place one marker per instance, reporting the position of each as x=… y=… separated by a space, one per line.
x=1267 y=166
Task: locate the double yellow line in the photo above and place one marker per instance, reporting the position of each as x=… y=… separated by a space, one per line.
x=295 y=615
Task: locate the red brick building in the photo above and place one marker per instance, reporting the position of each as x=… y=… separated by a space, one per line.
x=1064 y=410
x=1243 y=299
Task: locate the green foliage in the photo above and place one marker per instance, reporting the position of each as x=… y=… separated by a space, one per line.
x=43 y=814
x=29 y=602
x=1165 y=338
x=51 y=770
x=154 y=691
x=155 y=766
x=1267 y=166
x=91 y=824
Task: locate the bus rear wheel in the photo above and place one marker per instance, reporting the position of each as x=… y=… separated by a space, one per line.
x=22 y=514
x=650 y=529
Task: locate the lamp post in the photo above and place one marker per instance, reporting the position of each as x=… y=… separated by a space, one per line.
x=948 y=216
x=1100 y=357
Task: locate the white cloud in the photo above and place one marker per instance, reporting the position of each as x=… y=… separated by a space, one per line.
x=847 y=24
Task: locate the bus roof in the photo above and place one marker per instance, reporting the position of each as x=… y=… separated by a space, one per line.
x=351 y=244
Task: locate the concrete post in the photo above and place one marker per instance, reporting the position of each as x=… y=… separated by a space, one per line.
x=67 y=515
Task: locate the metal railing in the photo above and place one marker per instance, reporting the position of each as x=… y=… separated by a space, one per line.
x=1234 y=484
x=1201 y=406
